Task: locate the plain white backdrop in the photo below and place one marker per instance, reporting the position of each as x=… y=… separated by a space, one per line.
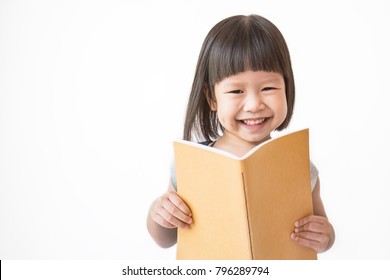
x=92 y=93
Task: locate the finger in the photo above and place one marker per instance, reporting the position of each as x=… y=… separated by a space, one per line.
x=315 y=241
x=176 y=212
x=179 y=203
x=162 y=216
x=308 y=235
x=161 y=221
x=170 y=219
x=319 y=237
x=306 y=242
x=310 y=219
x=311 y=227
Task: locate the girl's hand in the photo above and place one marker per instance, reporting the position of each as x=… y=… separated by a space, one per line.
x=314 y=232
x=170 y=211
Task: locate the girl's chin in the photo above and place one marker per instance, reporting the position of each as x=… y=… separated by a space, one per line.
x=257 y=141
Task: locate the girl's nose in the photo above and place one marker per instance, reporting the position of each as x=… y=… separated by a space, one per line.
x=254 y=103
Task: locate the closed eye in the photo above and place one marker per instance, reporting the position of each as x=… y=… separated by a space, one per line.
x=237 y=91
x=268 y=88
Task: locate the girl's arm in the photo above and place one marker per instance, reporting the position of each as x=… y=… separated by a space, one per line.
x=315 y=231
x=167 y=213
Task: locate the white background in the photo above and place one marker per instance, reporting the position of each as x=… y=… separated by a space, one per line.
x=92 y=93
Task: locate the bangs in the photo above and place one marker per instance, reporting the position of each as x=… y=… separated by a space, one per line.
x=244 y=45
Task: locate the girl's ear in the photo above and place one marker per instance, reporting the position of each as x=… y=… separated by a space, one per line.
x=211 y=100
x=212 y=104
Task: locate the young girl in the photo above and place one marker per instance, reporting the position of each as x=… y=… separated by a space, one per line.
x=242 y=91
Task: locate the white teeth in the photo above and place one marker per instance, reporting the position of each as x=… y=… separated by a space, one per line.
x=253 y=122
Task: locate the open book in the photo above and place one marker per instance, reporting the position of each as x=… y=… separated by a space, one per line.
x=244 y=208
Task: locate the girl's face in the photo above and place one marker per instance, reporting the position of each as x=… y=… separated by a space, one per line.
x=250 y=105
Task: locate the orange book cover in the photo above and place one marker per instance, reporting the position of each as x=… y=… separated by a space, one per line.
x=244 y=208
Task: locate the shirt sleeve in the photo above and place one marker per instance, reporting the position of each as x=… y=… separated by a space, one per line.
x=173 y=174
x=313 y=175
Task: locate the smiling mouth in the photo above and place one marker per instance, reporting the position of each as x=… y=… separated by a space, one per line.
x=251 y=122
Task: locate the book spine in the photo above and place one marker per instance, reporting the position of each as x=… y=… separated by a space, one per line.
x=245 y=197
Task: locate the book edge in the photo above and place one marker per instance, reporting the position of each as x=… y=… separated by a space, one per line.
x=229 y=155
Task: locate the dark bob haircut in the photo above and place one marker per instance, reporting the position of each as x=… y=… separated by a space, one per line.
x=235 y=44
